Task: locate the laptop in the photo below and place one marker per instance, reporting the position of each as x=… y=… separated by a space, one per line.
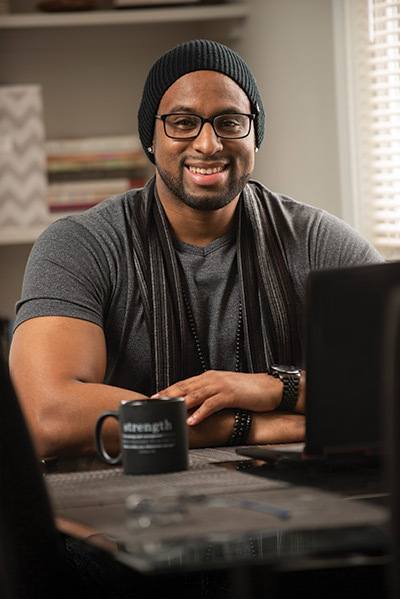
x=345 y=316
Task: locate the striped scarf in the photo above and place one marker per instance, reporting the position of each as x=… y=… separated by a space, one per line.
x=270 y=331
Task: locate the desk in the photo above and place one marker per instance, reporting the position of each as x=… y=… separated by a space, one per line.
x=90 y=504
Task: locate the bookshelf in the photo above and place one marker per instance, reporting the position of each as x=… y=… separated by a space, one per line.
x=35 y=47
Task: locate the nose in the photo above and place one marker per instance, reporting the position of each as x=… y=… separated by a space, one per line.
x=207 y=142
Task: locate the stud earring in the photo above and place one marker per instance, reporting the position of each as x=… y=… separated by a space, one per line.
x=150 y=149
x=256 y=149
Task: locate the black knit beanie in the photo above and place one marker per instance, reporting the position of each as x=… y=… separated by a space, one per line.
x=196 y=55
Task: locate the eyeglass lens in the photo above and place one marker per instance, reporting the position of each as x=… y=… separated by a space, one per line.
x=231 y=126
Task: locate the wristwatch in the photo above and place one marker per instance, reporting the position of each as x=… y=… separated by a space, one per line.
x=290 y=377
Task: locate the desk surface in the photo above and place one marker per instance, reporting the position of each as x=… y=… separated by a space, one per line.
x=224 y=512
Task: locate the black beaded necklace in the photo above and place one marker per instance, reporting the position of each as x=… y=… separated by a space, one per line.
x=243 y=418
x=192 y=326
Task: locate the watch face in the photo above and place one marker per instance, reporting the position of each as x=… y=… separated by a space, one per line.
x=285 y=369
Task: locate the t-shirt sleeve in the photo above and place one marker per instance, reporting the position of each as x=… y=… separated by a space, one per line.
x=313 y=239
x=67 y=274
x=335 y=244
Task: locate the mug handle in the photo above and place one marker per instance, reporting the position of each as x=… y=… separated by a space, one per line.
x=99 y=441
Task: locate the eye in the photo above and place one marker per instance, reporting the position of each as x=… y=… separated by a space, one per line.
x=231 y=123
x=183 y=122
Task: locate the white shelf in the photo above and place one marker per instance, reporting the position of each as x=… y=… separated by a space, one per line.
x=135 y=16
x=19 y=236
x=28 y=235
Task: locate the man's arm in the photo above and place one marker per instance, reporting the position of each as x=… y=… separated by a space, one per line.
x=267 y=427
x=58 y=365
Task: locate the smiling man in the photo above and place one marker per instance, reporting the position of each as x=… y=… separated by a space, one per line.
x=193 y=285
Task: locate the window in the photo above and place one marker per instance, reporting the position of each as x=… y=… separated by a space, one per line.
x=367 y=46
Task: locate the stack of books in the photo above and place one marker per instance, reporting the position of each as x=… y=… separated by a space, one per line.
x=83 y=172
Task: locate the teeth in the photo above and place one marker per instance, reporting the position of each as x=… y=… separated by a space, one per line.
x=206 y=171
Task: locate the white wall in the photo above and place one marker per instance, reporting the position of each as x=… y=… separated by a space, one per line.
x=289 y=46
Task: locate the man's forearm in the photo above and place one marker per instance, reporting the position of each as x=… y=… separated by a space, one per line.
x=268 y=427
x=215 y=431
x=277 y=427
x=63 y=425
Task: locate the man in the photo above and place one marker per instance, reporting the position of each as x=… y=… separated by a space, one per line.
x=192 y=286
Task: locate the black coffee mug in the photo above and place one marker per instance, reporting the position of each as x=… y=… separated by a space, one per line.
x=154 y=435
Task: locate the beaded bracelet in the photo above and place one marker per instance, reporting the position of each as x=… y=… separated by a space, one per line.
x=241 y=428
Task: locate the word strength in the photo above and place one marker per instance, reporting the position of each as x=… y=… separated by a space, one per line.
x=147 y=427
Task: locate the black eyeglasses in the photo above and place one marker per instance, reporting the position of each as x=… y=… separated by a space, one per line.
x=188 y=126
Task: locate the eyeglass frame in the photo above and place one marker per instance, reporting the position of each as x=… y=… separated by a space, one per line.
x=163 y=117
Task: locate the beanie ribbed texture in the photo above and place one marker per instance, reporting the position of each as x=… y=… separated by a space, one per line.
x=196 y=55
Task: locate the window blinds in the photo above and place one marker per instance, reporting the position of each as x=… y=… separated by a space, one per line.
x=376 y=36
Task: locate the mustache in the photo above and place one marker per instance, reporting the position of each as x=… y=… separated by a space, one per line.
x=210 y=160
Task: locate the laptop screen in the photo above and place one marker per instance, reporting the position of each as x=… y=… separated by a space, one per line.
x=345 y=316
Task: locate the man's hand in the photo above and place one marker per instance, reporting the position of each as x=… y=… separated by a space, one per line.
x=216 y=390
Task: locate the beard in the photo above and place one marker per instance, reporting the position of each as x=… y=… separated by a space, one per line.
x=203 y=201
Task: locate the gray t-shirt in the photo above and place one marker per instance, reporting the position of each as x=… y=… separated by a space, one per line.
x=82 y=267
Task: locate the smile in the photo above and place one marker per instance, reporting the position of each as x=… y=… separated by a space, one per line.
x=206 y=171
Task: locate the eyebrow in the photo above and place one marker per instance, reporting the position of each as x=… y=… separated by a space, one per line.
x=186 y=109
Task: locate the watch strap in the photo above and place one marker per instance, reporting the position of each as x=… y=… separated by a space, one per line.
x=290 y=392
x=291 y=381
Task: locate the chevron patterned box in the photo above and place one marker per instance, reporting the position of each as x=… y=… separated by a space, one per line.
x=23 y=169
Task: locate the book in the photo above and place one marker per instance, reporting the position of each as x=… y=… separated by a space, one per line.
x=70 y=196
x=90 y=174
x=93 y=162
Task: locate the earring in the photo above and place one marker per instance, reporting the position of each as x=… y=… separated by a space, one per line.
x=150 y=149
x=256 y=149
